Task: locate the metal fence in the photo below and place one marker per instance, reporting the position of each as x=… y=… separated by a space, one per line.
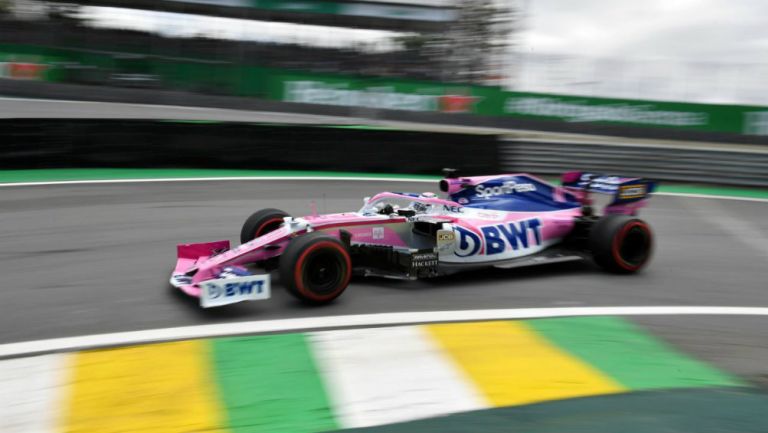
x=681 y=164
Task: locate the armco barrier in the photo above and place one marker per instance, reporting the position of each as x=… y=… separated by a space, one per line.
x=73 y=143
x=697 y=165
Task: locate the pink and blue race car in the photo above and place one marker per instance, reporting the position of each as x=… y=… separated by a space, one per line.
x=502 y=221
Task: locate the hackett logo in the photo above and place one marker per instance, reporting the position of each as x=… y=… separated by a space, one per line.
x=385 y=97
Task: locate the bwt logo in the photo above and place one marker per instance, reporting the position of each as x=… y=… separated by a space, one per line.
x=498 y=238
x=234 y=289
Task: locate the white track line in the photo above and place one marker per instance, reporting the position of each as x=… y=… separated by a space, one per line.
x=315 y=178
x=713 y=196
x=358 y=320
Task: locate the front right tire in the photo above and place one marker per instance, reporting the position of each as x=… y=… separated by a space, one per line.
x=261 y=223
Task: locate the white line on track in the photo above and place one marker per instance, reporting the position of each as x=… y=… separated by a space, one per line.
x=713 y=196
x=12 y=350
x=315 y=178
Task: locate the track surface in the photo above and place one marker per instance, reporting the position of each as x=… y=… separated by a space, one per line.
x=84 y=259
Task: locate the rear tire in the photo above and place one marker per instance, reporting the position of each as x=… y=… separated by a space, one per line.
x=261 y=223
x=315 y=268
x=620 y=243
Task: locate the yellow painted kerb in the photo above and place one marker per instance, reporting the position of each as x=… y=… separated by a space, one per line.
x=511 y=364
x=154 y=388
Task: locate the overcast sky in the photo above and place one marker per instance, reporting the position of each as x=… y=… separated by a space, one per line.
x=699 y=50
x=699 y=30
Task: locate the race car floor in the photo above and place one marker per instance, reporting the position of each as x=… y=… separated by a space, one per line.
x=562 y=374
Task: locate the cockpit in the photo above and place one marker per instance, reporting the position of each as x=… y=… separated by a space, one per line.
x=403 y=204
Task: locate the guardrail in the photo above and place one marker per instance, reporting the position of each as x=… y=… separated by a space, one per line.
x=107 y=143
x=680 y=164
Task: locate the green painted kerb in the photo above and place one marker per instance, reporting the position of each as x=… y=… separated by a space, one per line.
x=270 y=384
x=628 y=355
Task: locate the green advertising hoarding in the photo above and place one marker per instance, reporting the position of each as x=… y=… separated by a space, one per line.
x=383 y=93
x=399 y=94
x=492 y=101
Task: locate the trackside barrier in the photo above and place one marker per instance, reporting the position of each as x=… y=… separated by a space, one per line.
x=696 y=165
x=105 y=143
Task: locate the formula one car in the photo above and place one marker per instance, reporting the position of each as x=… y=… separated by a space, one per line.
x=499 y=221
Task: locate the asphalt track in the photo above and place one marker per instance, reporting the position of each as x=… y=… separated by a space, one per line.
x=85 y=259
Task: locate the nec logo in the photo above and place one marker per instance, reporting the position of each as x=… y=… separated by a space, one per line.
x=235 y=289
x=499 y=238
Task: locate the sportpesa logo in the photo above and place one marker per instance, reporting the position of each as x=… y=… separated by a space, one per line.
x=498 y=238
x=508 y=187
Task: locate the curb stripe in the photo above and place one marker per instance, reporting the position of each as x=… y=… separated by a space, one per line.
x=629 y=355
x=162 y=388
x=327 y=380
x=513 y=365
x=30 y=391
x=386 y=375
x=270 y=384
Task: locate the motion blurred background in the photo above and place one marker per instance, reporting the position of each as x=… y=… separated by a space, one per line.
x=220 y=92
x=522 y=71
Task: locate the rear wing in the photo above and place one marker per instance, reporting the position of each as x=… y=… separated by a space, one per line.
x=629 y=193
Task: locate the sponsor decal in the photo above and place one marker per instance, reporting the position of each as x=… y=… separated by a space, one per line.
x=756 y=123
x=384 y=97
x=423 y=260
x=632 y=191
x=508 y=187
x=22 y=71
x=498 y=238
x=603 y=183
x=445 y=236
x=318 y=92
x=231 y=290
x=446 y=241
x=378 y=232
x=618 y=112
x=453 y=209
x=181 y=280
x=463 y=200
x=457 y=103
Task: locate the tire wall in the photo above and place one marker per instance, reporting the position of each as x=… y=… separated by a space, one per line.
x=68 y=143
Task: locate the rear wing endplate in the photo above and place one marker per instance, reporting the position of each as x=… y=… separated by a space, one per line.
x=623 y=189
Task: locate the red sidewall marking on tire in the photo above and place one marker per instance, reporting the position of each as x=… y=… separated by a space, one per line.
x=618 y=240
x=260 y=230
x=298 y=277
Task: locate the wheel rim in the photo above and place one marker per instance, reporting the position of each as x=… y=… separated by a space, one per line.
x=268 y=226
x=635 y=246
x=323 y=272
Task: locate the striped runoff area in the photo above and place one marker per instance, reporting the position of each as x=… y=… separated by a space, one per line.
x=330 y=380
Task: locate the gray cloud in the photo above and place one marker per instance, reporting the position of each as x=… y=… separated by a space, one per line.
x=692 y=30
